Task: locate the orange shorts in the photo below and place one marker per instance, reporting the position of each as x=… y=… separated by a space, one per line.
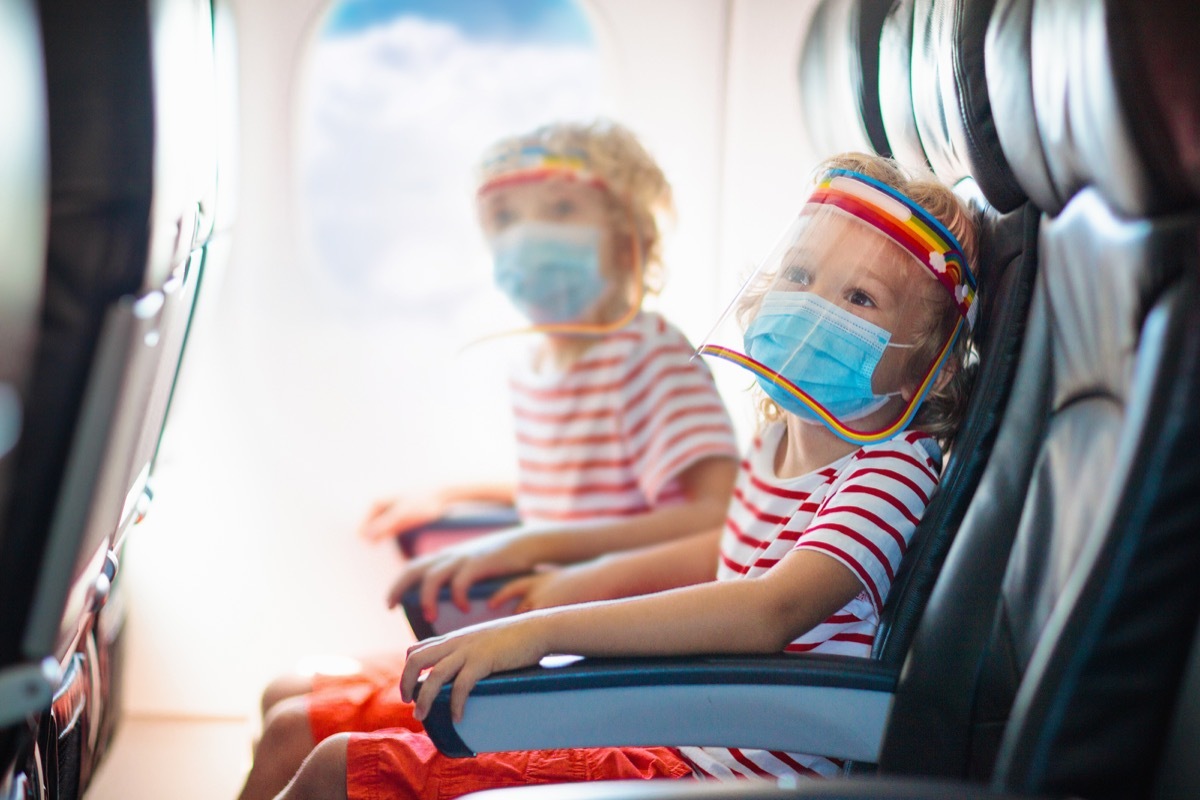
x=397 y=764
x=366 y=701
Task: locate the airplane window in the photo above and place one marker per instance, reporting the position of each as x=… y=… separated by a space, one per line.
x=402 y=98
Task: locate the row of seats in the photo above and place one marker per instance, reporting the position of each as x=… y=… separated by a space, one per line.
x=1037 y=639
x=113 y=205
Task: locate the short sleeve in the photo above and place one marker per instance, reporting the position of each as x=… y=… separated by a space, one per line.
x=868 y=518
x=672 y=413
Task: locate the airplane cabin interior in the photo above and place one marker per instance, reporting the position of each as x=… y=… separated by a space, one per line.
x=231 y=317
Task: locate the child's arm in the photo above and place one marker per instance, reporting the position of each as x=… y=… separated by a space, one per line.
x=707 y=486
x=391 y=516
x=758 y=615
x=656 y=568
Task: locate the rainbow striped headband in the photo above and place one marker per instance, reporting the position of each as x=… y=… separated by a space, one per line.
x=534 y=162
x=907 y=224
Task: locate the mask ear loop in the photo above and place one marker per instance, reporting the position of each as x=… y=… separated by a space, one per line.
x=589 y=329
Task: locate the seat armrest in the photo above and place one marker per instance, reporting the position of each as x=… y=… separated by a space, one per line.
x=460 y=522
x=888 y=788
x=450 y=617
x=828 y=705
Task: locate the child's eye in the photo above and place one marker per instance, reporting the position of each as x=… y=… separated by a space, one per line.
x=798 y=275
x=860 y=298
x=503 y=217
x=563 y=208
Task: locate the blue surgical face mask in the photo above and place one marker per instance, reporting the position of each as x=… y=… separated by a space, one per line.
x=823 y=349
x=550 y=271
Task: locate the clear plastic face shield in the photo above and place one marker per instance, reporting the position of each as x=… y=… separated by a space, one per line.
x=850 y=319
x=565 y=253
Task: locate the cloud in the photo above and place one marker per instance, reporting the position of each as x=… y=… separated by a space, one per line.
x=396 y=117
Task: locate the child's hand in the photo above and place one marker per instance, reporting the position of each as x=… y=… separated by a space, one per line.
x=390 y=517
x=486 y=557
x=558 y=586
x=465 y=657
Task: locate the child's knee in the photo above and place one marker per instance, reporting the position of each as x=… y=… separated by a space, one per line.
x=284 y=687
x=287 y=727
x=323 y=773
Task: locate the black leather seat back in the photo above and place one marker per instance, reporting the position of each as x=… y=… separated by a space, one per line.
x=953 y=109
x=839 y=77
x=1106 y=643
x=956 y=124
x=24 y=192
x=895 y=85
x=130 y=90
x=24 y=197
x=1068 y=465
x=101 y=155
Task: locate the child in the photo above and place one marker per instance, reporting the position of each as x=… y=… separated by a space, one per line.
x=864 y=311
x=622 y=437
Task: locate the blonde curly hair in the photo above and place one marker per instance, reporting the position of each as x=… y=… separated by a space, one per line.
x=944 y=405
x=639 y=191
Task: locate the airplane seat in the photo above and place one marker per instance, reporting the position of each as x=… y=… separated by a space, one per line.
x=839 y=77
x=955 y=126
x=24 y=195
x=940 y=45
x=54 y=573
x=895 y=85
x=462 y=522
x=1088 y=313
x=1092 y=714
x=126 y=174
x=1089 y=643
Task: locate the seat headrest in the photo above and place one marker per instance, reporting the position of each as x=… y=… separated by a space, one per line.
x=839 y=77
x=1161 y=84
x=1010 y=89
x=953 y=111
x=1116 y=100
x=895 y=86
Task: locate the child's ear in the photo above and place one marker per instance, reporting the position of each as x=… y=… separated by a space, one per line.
x=948 y=370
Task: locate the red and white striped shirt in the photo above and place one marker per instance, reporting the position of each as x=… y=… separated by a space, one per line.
x=861 y=510
x=609 y=436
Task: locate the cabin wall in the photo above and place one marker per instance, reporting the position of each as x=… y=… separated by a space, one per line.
x=285 y=426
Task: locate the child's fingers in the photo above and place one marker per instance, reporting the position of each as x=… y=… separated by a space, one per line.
x=441 y=672
x=409 y=676
x=377 y=508
x=517 y=588
x=369 y=527
x=408 y=578
x=464 y=682
x=431 y=584
x=461 y=582
x=416 y=659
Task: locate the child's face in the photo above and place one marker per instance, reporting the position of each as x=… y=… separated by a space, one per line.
x=567 y=202
x=553 y=200
x=869 y=275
